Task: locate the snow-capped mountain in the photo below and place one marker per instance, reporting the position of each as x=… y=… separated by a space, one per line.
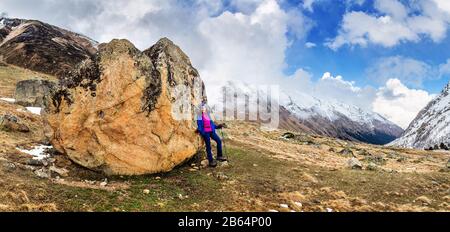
x=42 y=47
x=431 y=127
x=303 y=112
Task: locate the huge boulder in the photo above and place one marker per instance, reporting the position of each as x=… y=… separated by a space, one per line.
x=32 y=92
x=114 y=113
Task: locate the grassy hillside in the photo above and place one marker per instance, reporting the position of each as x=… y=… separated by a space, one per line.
x=254 y=181
x=10 y=75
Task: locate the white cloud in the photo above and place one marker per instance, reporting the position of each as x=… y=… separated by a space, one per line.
x=310 y=45
x=400 y=104
x=392 y=7
x=308 y=5
x=337 y=88
x=248 y=48
x=443 y=5
x=248 y=44
x=393 y=24
x=444 y=69
x=410 y=71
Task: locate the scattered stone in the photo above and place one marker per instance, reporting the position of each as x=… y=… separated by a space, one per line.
x=377 y=159
x=27 y=167
x=255 y=165
x=444 y=205
x=329 y=210
x=12 y=123
x=42 y=173
x=392 y=155
x=224 y=164
x=90 y=182
x=192 y=169
x=285 y=206
x=309 y=178
x=221 y=176
x=288 y=135
x=446 y=198
x=347 y=152
x=401 y=159
x=364 y=152
x=424 y=200
x=104 y=183
x=354 y=163
x=372 y=166
x=298 y=204
x=158 y=178
x=37 y=162
x=146 y=191
x=9 y=166
x=62 y=161
x=204 y=163
x=60 y=171
x=273 y=211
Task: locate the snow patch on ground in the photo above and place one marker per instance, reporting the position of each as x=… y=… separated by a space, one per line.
x=6 y=99
x=35 y=110
x=38 y=152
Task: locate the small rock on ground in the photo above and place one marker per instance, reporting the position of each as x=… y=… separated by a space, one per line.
x=9 y=166
x=221 y=176
x=354 y=163
x=42 y=173
x=60 y=171
x=424 y=200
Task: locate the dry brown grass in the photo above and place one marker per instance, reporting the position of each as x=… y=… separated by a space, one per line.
x=10 y=75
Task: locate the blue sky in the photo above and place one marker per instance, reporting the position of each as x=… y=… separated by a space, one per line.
x=385 y=56
x=352 y=62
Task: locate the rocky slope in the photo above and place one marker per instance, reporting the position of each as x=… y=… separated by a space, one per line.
x=431 y=127
x=42 y=47
x=114 y=112
x=339 y=120
x=305 y=113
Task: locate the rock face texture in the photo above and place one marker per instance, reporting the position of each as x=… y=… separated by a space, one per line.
x=114 y=112
x=10 y=122
x=32 y=92
x=42 y=47
x=431 y=128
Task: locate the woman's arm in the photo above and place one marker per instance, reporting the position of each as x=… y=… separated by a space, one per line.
x=200 y=128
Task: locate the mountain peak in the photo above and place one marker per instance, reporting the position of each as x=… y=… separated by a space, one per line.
x=300 y=111
x=165 y=41
x=431 y=127
x=42 y=47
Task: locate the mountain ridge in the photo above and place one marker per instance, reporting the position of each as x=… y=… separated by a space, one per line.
x=431 y=127
x=42 y=47
x=306 y=113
